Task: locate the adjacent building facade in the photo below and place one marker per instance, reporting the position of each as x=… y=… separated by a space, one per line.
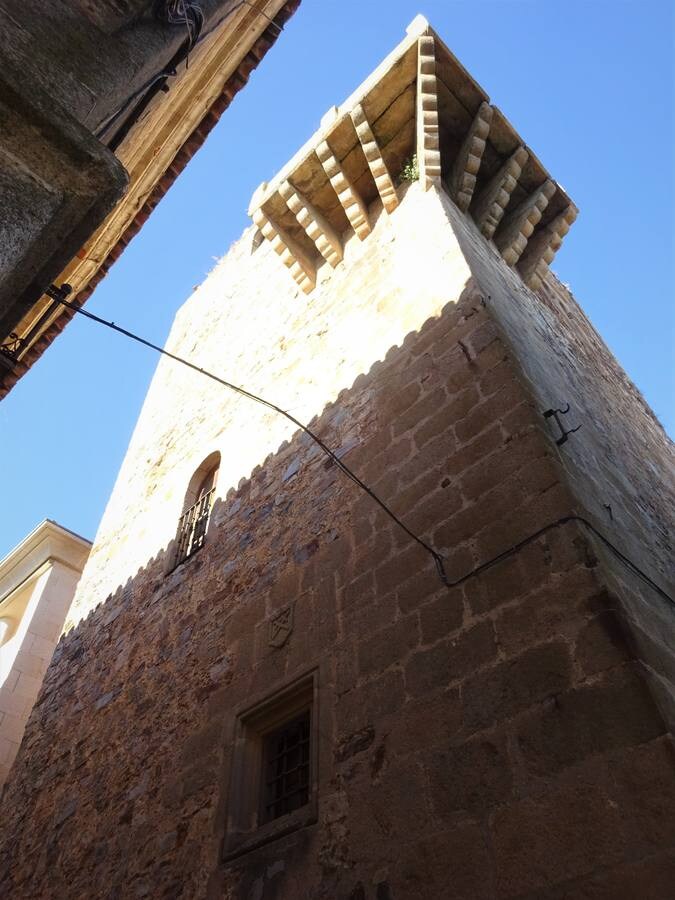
x=270 y=688
x=37 y=585
x=96 y=125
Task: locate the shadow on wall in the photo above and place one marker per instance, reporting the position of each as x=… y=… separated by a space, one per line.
x=121 y=782
x=294 y=524
x=620 y=462
x=363 y=421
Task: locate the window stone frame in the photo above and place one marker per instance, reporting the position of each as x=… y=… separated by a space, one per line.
x=243 y=829
x=211 y=463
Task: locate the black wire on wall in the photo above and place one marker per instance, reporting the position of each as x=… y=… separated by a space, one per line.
x=60 y=295
x=173 y=12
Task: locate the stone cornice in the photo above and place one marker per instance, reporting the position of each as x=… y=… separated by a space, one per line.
x=421 y=102
x=48 y=543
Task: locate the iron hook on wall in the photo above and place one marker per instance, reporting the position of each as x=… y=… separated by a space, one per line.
x=556 y=413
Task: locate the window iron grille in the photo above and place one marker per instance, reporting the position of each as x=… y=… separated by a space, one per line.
x=192 y=527
x=286 y=768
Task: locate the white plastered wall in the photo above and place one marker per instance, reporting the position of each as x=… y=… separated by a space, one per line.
x=37 y=584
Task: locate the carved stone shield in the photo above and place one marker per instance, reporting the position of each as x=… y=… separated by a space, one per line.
x=281 y=626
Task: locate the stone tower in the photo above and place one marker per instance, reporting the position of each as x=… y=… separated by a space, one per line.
x=267 y=689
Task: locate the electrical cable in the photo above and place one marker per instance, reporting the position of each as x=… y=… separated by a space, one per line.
x=557 y=524
x=181 y=12
x=60 y=295
x=175 y=12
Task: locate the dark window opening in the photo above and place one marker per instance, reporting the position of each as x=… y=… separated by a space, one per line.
x=286 y=775
x=273 y=774
x=193 y=523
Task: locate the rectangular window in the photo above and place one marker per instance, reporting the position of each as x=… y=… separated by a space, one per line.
x=286 y=768
x=273 y=779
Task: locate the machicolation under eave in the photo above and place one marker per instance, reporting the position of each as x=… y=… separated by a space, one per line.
x=422 y=110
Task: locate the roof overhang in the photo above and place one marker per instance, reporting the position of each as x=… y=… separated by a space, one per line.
x=49 y=542
x=154 y=152
x=422 y=103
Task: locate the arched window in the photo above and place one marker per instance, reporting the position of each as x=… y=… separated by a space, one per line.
x=194 y=521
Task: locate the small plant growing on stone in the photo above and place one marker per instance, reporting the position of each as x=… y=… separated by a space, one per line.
x=410 y=171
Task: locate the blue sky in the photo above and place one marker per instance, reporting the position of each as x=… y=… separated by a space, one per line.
x=587 y=83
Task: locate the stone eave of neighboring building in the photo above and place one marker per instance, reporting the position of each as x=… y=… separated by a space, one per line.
x=155 y=152
x=48 y=542
x=420 y=102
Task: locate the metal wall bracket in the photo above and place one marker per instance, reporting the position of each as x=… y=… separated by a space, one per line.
x=12 y=346
x=58 y=293
x=564 y=434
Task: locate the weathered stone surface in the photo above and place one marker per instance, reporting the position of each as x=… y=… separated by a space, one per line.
x=612 y=713
x=67 y=105
x=445 y=715
x=544 y=245
x=512 y=687
x=378 y=167
x=463 y=743
x=317 y=227
x=347 y=194
x=490 y=204
x=472 y=777
x=516 y=230
x=564 y=833
x=411 y=116
x=57 y=184
x=466 y=164
x=428 y=144
x=563 y=359
x=302 y=268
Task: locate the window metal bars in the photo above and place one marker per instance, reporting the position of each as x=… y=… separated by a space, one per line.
x=287 y=768
x=192 y=527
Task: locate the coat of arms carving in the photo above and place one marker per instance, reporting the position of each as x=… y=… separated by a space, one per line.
x=281 y=626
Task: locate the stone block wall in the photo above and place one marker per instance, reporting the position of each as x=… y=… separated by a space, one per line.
x=495 y=739
x=619 y=464
x=86 y=120
x=106 y=52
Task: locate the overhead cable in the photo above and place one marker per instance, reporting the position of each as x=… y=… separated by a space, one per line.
x=173 y=12
x=61 y=293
